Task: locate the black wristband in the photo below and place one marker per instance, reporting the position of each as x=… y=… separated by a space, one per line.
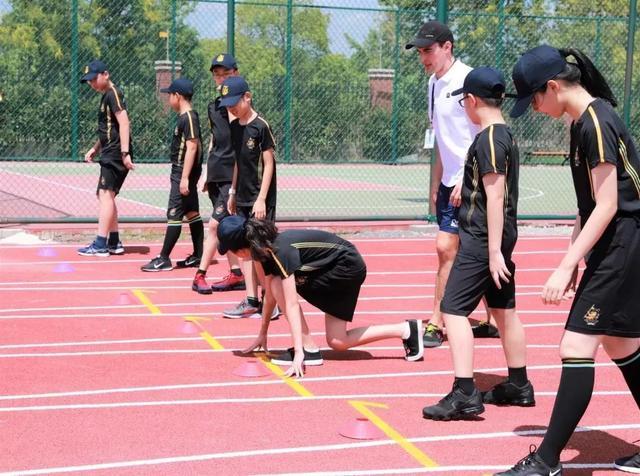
x=123 y=153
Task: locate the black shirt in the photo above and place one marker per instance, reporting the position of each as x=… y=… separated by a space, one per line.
x=108 y=127
x=306 y=253
x=188 y=128
x=493 y=150
x=600 y=136
x=249 y=142
x=222 y=157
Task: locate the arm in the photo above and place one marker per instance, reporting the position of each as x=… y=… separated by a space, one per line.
x=95 y=150
x=268 y=305
x=436 y=170
x=494 y=186
x=260 y=206
x=189 y=160
x=125 y=128
x=231 y=202
x=287 y=297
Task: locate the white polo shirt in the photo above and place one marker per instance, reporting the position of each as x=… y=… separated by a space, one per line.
x=453 y=130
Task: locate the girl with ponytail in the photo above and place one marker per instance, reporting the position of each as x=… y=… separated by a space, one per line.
x=324 y=269
x=606 y=176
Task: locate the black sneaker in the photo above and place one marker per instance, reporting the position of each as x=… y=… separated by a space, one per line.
x=190 y=261
x=455 y=406
x=629 y=464
x=532 y=465
x=433 y=336
x=286 y=358
x=485 y=330
x=508 y=393
x=158 y=264
x=413 y=346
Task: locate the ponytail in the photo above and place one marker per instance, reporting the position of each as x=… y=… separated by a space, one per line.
x=582 y=71
x=260 y=234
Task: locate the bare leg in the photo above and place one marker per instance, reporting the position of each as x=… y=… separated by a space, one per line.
x=512 y=336
x=339 y=338
x=460 y=339
x=107 y=213
x=447 y=247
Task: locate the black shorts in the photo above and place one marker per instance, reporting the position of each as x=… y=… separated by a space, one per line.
x=112 y=175
x=470 y=281
x=607 y=301
x=246 y=212
x=179 y=205
x=219 y=196
x=335 y=292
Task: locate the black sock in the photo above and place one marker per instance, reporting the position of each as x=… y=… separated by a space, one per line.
x=630 y=368
x=465 y=384
x=253 y=301
x=170 y=239
x=574 y=394
x=236 y=271
x=197 y=235
x=114 y=238
x=518 y=376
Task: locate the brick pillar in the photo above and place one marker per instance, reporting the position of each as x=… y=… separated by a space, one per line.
x=163 y=78
x=381 y=88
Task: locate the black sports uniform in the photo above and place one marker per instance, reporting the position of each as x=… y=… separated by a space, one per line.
x=249 y=142
x=187 y=128
x=493 y=150
x=328 y=270
x=220 y=161
x=112 y=170
x=606 y=300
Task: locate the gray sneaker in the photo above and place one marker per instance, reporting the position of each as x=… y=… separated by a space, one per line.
x=628 y=464
x=242 y=310
x=433 y=336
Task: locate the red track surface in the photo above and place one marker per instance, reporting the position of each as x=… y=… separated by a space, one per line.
x=92 y=385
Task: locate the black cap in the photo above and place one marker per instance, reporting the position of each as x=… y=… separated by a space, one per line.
x=232 y=234
x=232 y=89
x=181 y=86
x=92 y=70
x=483 y=82
x=430 y=33
x=532 y=71
x=225 y=60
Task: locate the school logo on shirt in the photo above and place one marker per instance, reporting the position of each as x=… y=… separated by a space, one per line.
x=251 y=143
x=225 y=90
x=592 y=316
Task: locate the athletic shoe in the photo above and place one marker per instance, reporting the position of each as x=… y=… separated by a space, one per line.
x=532 y=465
x=244 y=309
x=433 y=336
x=413 y=346
x=190 y=261
x=275 y=314
x=629 y=464
x=230 y=282
x=457 y=405
x=484 y=330
x=508 y=393
x=200 y=284
x=93 y=250
x=157 y=264
x=286 y=358
x=116 y=249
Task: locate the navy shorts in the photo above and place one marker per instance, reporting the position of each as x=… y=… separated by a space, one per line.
x=446 y=213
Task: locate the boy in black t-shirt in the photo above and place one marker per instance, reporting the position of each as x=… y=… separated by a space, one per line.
x=253 y=189
x=186 y=166
x=114 y=147
x=483 y=266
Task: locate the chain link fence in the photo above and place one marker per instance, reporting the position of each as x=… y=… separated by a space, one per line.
x=346 y=102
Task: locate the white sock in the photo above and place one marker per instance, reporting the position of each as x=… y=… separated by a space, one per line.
x=406 y=333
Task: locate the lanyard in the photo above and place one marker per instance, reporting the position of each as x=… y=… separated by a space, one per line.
x=433 y=102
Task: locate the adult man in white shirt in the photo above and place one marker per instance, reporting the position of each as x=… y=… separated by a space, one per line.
x=454 y=133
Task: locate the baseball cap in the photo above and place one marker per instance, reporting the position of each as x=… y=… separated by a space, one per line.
x=93 y=69
x=181 y=86
x=231 y=234
x=483 y=82
x=430 y=32
x=232 y=89
x=225 y=60
x=532 y=71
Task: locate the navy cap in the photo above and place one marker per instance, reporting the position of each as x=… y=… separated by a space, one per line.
x=431 y=32
x=483 y=82
x=531 y=73
x=232 y=234
x=181 y=86
x=92 y=70
x=232 y=89
x=225 y=60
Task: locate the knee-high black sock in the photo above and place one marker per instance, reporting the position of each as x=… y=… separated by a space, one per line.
x=170 y=238
x=197 y=234
x=574 y=394
x=630 y=368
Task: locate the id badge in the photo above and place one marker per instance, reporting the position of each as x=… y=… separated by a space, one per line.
x=429 y=138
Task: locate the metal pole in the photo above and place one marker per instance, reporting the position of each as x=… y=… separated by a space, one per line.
x=395 y=107
x=598 y=46
x=442 y=11
x=231 y=27
x=173 y=39
x=633 y=4
x=288 y=85
x=75 y=83
x=500 y=34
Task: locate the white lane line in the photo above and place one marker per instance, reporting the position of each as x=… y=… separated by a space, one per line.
x=298 y=450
